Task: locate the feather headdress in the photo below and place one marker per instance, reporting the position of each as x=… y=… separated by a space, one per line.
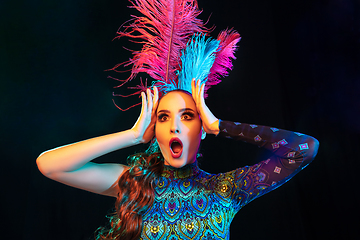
x=175 y=49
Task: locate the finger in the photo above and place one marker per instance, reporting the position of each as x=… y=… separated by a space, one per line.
x=149 y=101
x=196 y=94
x=155 y=99
x=143 y=105
x=193 y=92
x=202 y=90
x=198 y=91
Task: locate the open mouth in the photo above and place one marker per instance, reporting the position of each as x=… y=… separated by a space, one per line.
x=176 y=147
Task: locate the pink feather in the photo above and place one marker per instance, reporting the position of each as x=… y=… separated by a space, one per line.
x=164 y=30
x=228 y=39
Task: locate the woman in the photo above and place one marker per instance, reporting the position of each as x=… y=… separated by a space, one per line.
x=162 y=194
x=166 y=196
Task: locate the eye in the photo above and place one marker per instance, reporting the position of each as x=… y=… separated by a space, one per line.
x=187 y=116
x=163 y=117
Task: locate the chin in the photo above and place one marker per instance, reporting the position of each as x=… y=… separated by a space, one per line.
x=177 y=163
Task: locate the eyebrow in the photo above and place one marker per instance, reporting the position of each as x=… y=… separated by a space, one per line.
x=181 y=110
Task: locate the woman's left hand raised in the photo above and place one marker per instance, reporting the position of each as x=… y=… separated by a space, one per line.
x=209 y=122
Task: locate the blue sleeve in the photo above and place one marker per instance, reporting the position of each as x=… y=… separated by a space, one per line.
x=291 y=152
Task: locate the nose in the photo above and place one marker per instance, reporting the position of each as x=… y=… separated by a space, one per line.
x=175 y=126
x=175 y=131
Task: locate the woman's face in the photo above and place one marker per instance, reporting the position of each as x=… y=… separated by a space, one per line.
x=178 y=129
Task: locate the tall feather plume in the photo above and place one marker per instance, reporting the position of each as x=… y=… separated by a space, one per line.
x=175 y=49
x=164 y=30
x=223 y=62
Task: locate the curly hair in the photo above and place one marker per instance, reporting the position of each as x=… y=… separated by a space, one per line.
x=136 y=195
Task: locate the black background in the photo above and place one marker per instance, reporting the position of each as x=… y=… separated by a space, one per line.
x=297 y=68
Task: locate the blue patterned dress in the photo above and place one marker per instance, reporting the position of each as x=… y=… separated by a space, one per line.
x=193 y=204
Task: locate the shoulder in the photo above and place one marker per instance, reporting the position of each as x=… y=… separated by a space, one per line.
x=222 y=181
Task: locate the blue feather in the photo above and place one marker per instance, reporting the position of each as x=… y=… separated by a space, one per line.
x=197 y=60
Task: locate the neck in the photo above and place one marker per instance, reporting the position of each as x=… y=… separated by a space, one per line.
x=188 y=170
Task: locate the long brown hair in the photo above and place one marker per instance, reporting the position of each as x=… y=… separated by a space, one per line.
x=136 y=195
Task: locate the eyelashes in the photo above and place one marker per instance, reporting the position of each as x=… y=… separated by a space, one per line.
x=162 y=117
x=186 y=115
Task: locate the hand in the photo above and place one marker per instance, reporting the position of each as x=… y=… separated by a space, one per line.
x=209 y=121
x=144 y=128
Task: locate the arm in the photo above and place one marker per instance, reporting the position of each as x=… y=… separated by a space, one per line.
x=291 y=152
x=70 y=164
x=282 y=143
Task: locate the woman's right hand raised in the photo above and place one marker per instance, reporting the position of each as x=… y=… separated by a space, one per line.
x=144 y=128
